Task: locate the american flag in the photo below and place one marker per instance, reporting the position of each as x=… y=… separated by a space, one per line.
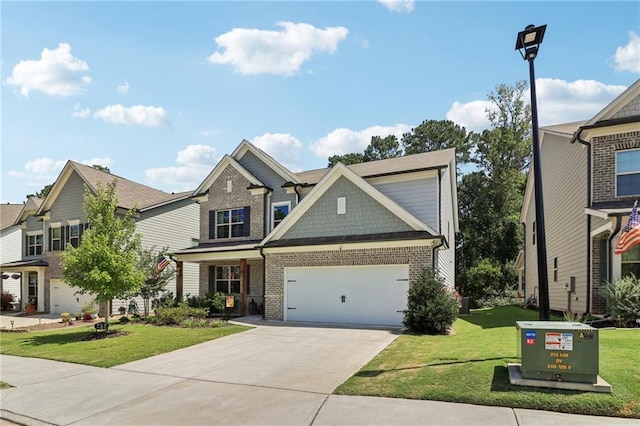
x=631 y=235
x=161 y=263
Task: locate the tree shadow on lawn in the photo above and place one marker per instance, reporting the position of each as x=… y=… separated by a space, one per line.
x=375 y=373
x=57 y=339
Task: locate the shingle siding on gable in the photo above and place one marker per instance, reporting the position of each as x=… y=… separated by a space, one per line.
x=239 y=197
x=419 y=197
x=68 y=204
x=267 y=176
x=364 y=215
x=604 y=164
x=629 y=110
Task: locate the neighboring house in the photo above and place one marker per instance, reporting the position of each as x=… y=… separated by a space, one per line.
x=330 y=245
x=163 y=220
x=591 y=178
x=11 y=242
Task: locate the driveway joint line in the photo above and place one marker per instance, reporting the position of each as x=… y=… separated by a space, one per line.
x=197 y=379
x=315 y=416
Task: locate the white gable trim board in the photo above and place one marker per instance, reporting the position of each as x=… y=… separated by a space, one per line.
x=372 y=295
x=217 y=171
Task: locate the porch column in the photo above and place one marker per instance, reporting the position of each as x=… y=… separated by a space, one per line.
x=179 y=280
x=243 y=287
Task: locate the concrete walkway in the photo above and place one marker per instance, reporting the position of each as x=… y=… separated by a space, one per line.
x=16 y=320
x=271 y=375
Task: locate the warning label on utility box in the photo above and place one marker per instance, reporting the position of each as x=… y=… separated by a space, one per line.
x=558 y=341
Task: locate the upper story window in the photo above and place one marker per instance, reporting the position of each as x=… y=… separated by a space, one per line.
x=229 y=223
x=34 y=244
x=278 y=212
x=74 y=235
x=56 y=238
x=628 y=172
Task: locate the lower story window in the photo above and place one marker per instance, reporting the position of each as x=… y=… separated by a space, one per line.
x=631 y=262
x=228 y=279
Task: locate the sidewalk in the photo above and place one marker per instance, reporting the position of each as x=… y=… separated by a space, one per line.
x=49 y=392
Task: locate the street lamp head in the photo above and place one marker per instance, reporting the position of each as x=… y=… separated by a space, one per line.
x=529 y=40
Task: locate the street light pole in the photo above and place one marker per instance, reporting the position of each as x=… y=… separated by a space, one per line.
x=529 y=40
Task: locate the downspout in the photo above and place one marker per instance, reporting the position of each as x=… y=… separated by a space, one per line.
x=589 y=265
x=524 y=261
x=264 y=282
x=609 y=245
x=433 y=252
x=295 y=189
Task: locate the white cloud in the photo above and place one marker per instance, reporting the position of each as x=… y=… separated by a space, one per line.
x=627 y=58
x=194 y=164
x=140 y=115
x=79 y=112
x=254 y=51
x=123 y=88
x=559 y=101
x=471 y=115
x=398 y=6
x=57 y=72
x=39 y=168
x=284 y=147
x=343 y=141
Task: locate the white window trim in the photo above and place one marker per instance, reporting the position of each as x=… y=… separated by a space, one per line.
x=73 y=222
x=342 y=205
x=228 y=225
x=30 y=233
x=278 y=204
x=637 y=172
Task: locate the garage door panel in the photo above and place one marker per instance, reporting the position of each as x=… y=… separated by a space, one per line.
x=372 y=294
x=64 y=299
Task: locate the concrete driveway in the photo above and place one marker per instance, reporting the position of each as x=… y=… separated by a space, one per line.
x=268 y=375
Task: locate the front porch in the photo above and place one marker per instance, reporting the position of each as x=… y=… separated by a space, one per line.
x=31 y=287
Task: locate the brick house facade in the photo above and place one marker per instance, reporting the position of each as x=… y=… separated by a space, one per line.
x=347 y=222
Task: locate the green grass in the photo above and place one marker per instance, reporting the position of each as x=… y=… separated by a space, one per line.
x=142 y=341
x=471 y=367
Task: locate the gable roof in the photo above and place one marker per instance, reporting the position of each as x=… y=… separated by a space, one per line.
x=405 y=164
x=217 y=171
x=30 y=207
x=9 y=213
x=129 y=194
x=340 y=170
x=246 y=146
x=617 y=104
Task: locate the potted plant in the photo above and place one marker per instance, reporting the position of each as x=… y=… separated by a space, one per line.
x=88 y=311
x=78 y=315
x=30 y=308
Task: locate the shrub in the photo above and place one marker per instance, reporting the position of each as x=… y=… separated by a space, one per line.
x=194 y=323
x=623 y=298
x=166 y=300
x=124 y=320
x=431 y=308
x=212 y=301
x=6 y=300
x=176 y=315
x=499 y=298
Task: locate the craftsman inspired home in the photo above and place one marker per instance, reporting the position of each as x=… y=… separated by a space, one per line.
x=591 y=179
x=338 y=245
x=48 y=226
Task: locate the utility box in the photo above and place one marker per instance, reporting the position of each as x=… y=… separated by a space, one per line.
x=558 y=351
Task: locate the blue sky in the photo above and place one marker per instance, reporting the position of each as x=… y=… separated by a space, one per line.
x=160 y=91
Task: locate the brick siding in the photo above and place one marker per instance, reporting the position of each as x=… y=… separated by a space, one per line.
x=416 y=257
x=604 y=163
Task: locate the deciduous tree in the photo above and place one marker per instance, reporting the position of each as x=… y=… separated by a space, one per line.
x=105 y=262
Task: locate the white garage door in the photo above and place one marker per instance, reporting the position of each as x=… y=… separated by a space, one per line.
x=63 y=298
x=375 y=295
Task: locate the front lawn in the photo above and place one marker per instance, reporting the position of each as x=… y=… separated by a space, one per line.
x=471 y=366
x=141 y=341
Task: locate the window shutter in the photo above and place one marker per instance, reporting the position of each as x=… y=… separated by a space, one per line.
x=26 y=246
x=246 y=231
x=63 y=235
x=50 y=244
x=212 y=225
x=212 y=279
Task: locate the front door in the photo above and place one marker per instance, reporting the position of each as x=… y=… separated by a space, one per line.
x=33 y=289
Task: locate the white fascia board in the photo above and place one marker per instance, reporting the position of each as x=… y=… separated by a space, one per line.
x=597 y=213
x=607 y=227
x=353 y=246
x=617 y=104
x=217 y=171
x=60 y=182
x=217 y=256
x=246 y=146
x=402 y=177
